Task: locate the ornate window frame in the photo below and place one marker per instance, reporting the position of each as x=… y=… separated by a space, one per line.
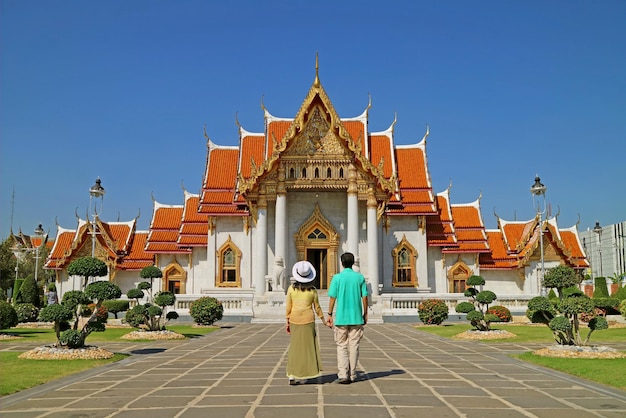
x=229 y=262
x=173 y=273
x=404 y=264
x=457 y=276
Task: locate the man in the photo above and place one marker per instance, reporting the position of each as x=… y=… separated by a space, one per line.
x=349 y=292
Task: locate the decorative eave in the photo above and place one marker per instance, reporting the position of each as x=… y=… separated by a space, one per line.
x=316 y=92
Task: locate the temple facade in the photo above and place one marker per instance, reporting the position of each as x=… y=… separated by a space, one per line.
x=310 y=188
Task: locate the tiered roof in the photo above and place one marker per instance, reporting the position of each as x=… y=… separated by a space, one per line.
x=515 y=242
x=122 y=244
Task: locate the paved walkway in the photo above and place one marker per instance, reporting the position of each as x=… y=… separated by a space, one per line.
x=239 y=371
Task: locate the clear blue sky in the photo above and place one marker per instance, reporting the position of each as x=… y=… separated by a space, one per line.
x=123 y=89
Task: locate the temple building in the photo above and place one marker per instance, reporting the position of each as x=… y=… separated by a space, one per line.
x=311 y=187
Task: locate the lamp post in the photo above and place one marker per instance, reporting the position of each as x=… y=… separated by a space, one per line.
x=96 y=191
x=538 y=189
x=598 y=230
x=39 y=235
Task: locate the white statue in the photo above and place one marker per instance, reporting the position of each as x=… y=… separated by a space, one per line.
x=279 y=275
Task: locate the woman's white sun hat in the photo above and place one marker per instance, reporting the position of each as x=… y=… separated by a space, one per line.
x=303 y=272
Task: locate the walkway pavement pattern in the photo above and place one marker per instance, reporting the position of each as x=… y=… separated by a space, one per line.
x=239 y=371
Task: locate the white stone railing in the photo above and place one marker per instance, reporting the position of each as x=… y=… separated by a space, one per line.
x=398 y=304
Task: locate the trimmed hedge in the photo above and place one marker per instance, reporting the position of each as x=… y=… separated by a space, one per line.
x=206 y=310
x=8 y=316
x=433 y=311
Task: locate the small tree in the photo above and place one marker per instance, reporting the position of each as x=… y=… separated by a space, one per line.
x=151 y=315
x=149 y=272
x=72 y=302
x=478 y=306
x=562 y=317
x=87 y=267
x=29 y=292
x=116 y=306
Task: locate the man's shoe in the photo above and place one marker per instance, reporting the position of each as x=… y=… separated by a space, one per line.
x=343 y=381
x=293 y=382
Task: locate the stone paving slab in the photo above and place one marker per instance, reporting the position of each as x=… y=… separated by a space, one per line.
x=239 y=371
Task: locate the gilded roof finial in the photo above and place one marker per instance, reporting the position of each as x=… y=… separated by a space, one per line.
x=316 y=83
x=237 y=120
x=263 y=104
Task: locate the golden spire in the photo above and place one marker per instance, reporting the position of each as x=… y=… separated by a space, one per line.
x=316 y=83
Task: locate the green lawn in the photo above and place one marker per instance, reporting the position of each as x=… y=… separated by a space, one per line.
x=527 y=333
x=606 y=371
x=46 y=335
x=19 y=374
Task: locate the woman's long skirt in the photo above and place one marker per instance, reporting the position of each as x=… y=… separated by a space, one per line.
x=303 y=360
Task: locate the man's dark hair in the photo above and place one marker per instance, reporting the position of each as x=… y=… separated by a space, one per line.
x=347 y=260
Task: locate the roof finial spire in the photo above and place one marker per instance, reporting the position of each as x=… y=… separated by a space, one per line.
x=316 y=83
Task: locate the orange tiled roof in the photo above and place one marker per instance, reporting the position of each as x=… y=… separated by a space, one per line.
x=137 y=257
x=252 y=148
x=62 y=244
x=440 y=229
x=469 y=228
x=218 y=187
x=415 y=188
x=357 y=131
x=164 y=227
x=276 y=130
x=381 y=150
x=499 y=258
x=194 y=228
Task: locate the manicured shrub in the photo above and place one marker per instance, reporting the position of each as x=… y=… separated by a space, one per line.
x=600 y=290
x=60 y=315
x=607 y=306
x=478 y=306
x=71 y=338
x=502 y=312
x=17 y=296
x=620 y=294
x=622 y=308
x=151 y=316
x=26 y=312
x=8 y=316
x=30 y=292
x=552 y=294
x=206 y=310
x=433 y=311
x=564 y=316
x=116 y=306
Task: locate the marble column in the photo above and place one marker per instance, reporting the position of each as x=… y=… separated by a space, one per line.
x=260 y=255
x=372 y=241
x=353 y=213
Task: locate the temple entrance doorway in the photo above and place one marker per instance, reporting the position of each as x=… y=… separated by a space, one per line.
x=317 y=257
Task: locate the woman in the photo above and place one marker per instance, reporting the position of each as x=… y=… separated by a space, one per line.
x=303 y=361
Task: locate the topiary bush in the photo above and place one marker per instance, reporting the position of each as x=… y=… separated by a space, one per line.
x=150 y=316
x=622 y=308
x=26 y=312
x=600 y=290
x=606 y=306
x=8 y=316
x=29 y=292
x=502 y=312
x=620 y=294
x=433 y=311
x=478 y=306
x=116 y=306
x=206 y=310
x=71 y=338
x=563 y=317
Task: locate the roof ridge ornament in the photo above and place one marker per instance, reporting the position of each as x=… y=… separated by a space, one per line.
x=316 y=83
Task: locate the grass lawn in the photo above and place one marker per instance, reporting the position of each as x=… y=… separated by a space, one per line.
x=527 y=333
x=606 y=371
x=46 y=335
x=19 y=374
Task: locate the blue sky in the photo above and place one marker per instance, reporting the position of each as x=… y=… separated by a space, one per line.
x=122 y=90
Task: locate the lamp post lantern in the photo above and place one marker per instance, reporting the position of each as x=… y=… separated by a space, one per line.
x=538 y=189
x=96 y=191
x=39 y=235
x=598 y=230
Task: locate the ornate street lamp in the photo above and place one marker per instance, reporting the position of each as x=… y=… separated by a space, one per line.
x=96 y=191
x=538 y=189
x=598 y=230
x=39 y=236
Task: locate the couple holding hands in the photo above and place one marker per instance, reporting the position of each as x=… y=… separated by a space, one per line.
x=348 y=294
